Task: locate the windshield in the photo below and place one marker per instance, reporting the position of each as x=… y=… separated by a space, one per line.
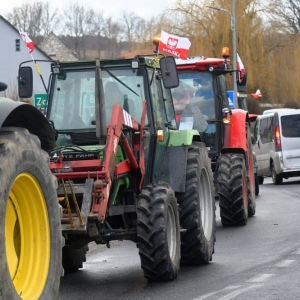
x=73 y=100
x=196 y=89
x=194 y=105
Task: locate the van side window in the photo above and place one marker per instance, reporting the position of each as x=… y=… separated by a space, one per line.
x=266 y=132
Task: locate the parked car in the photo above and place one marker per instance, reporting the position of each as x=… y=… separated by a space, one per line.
x=277 y=145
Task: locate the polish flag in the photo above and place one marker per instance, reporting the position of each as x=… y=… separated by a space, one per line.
x=241 y=68
x=256 y=95
x=29 y=43
x=175 y=45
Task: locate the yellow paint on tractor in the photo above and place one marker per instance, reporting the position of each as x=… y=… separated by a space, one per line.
x=27 y=234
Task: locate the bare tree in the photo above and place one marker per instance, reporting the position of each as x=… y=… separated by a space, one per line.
x=37 y=18
x=285 y=15
x=113 y=33
x=50 y=19
x=130 y=23
x=98 y=29
x=78 y=24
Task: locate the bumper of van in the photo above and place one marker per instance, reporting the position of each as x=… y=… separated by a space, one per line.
x=280 y=169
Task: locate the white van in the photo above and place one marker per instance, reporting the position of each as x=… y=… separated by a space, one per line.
x=277 y=145
x=273 y=110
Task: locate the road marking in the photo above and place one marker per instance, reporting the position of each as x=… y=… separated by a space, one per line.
x=240 y=291
x=260 y=278
x=285 y=263
x=232 y=287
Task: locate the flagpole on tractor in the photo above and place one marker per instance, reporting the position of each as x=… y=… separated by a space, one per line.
x=39 y=73
x=30 y=46
x=233 y=28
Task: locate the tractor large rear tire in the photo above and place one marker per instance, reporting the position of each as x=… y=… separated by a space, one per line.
x=158 y=232
x=197 y=208
x=233 y=198
x=30 y=235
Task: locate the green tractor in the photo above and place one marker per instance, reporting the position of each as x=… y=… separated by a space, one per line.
x=124 y=171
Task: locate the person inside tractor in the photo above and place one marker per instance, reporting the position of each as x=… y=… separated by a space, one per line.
x=204 y=87
x=180 y=99
x=204 y=97
x=113 y=95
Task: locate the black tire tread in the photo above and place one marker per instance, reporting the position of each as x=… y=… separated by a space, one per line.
x=73 y=259
x=256 y=184
x=277 y=180
x=195 y=249
x=232 y=210
x=151 y=232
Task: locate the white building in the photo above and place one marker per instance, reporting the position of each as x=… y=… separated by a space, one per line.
x=13 y=52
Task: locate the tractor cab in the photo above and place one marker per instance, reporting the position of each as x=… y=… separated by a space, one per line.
x=73 y=99
x=200 y=98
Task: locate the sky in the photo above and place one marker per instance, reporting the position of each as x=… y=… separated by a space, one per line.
x=113 y=8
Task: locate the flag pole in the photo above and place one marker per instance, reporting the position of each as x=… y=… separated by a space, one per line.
x=39 y=72
x=30 y=46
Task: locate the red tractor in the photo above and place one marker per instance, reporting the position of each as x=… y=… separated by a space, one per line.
x=201 y=103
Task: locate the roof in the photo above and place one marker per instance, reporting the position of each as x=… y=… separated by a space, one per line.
x=56 y=49
x=17 y=31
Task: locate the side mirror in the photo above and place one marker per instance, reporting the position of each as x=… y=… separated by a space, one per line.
x=169 y=72
x=25 y=82
x=253 y=139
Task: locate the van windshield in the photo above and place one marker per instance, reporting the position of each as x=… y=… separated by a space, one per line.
x=290 y=126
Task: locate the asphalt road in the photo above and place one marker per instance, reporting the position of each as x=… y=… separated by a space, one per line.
x=258 y=261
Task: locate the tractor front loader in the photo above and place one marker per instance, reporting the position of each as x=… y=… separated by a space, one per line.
x=201 y=103
x=30 y=230
x=124 y=171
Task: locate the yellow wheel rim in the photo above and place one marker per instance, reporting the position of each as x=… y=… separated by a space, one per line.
x=27 y=237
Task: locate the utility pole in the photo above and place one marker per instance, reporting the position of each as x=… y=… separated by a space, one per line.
x=233 y=28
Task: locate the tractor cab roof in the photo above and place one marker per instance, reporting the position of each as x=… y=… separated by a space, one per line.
x=200 y=63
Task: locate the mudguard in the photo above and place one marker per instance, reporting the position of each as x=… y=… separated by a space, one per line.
x=235 y=132
x=175 y=173
x=20 y=114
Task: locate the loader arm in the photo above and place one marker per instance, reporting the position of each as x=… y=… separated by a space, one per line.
x=120 y=122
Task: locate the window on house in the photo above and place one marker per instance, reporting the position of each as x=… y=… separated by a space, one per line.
x=18 y=45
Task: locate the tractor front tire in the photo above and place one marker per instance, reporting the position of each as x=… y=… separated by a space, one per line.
x=233 y=198
x=158 y=232
x=73 y=258
x=197 y=208
x=30 y=235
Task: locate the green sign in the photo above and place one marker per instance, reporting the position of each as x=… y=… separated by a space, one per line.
x=40 y=100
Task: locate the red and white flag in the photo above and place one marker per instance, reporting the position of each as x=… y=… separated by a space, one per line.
x=29 y=43
x=256 y=95
x=241 y=68
x=175 y=45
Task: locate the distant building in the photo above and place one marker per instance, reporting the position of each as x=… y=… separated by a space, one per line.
x=13 y=52
x=55 y=48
